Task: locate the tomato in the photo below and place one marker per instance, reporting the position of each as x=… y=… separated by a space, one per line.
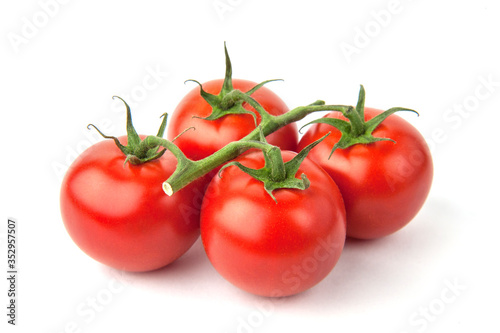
x=272 y=248
x=119 y=215
x=384 y=184
x=211 y=135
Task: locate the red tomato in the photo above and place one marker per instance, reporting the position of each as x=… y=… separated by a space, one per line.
x=384 y=184
x=212 y=135
x=268 y=248
x=119 y=215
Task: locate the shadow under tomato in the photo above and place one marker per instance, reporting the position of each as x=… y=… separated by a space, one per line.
x=371 y=272
x=368 y=273
x=186 y=269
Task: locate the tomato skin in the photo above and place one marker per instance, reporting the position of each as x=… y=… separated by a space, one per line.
x=384 y=184
x=212 y=135
x=272 y=249
x=119 y=215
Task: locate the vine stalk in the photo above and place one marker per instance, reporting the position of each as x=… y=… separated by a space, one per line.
x=189 y=170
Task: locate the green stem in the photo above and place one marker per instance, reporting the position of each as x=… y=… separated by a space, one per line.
x=357 y=123
x=357 y=130
x=236 y=96
x=188 y=170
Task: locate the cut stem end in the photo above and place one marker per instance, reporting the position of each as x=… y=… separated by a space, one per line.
x=167 y=189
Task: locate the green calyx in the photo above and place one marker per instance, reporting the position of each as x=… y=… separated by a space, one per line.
x=276 y=174
x=137 y=151
x=357 y=130
x=229 y=100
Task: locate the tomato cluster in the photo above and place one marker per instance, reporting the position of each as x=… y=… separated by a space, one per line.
x=273 y=221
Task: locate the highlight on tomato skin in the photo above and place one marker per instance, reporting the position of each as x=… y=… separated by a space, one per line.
x=384 y=184
x=118 y=214
x=272 y=248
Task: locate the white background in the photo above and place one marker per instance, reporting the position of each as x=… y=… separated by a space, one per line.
x=62 y=62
